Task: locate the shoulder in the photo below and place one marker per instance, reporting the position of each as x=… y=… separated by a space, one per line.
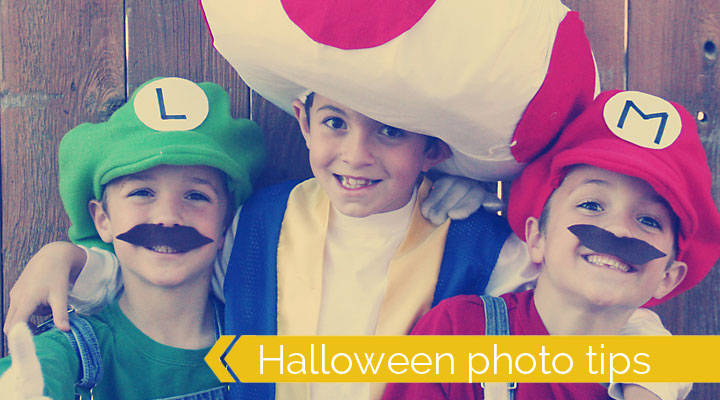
x=481 y=230
x=273 y=197
x=271 y=191
x=459 y=315
x=277 y=189
x=484 y=220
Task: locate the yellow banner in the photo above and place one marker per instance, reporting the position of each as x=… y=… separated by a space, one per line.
x=467 y=358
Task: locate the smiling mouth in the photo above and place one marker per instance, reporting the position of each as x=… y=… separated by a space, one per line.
x=609 y=262
x=165 y=240
x=355 y=183
x=165 y=249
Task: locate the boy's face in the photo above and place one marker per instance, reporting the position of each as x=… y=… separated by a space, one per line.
x=623 y=205
x=169 y=196
x=365 y=167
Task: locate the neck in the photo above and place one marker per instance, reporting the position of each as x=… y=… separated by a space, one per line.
x=563 y=315
x=179 y=317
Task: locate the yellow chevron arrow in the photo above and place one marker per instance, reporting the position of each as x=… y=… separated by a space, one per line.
x=215 y=363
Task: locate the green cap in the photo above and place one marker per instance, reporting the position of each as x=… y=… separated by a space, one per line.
x=166 y=121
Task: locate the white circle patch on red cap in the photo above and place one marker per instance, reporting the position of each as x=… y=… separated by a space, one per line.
x=643 y=119
x=171 y=104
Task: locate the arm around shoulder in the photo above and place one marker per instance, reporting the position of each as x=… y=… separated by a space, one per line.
x=44 y=282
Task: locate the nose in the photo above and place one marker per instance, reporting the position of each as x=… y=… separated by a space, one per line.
x=357 y=148
x=168 y=211
x=620 y=226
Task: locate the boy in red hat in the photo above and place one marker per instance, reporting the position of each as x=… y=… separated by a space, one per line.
x=618 y=214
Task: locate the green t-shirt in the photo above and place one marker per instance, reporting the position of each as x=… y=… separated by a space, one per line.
x=134 y=366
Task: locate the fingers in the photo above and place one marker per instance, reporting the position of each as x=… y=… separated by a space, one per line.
x=24 y=360
x=58 y=300
x=457 y=198
x=446 y=193
x=19 y=311
x=438 y=191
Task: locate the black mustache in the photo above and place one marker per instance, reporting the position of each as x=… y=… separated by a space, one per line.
x=631 y=250
x=179 y=238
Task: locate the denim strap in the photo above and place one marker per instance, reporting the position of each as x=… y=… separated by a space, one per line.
x=217 y=393
x=83 y=341
x=497 y=323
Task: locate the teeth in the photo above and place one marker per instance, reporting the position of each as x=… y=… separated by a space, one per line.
x=352 y=183
x=164 y=249
x=609 y=262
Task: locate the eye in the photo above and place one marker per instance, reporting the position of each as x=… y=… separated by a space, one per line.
x=651 y=222
x=391 y=131
x=335 y=123
x=140 y=193
x=197 y=196
x=590 y=205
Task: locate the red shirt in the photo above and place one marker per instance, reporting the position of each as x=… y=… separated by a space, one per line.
x=465 y=315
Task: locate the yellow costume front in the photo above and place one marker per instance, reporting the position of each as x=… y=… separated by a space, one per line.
x=287 y=275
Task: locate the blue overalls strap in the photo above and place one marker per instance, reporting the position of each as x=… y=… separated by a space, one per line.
x=471 y=251
x=497 y=324
x=251 y=278
x=83 y=340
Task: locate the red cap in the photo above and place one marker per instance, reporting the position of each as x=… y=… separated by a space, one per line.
x=644 y=136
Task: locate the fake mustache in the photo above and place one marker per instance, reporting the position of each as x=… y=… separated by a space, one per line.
x=179 y=238
x=631 y=250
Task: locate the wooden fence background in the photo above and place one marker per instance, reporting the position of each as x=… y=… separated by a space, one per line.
x=63 y=62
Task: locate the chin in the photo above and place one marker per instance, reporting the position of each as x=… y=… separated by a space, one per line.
x=353 y=211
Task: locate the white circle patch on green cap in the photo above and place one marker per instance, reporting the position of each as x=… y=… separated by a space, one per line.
x=171 y=104
x=643 y=119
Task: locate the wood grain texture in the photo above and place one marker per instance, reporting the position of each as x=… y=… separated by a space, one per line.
x=62 y=64
x=287 y=156
x=170 y=38
x=605 y=27
x=672 y=52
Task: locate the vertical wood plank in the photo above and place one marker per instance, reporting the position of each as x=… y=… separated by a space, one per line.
x=287 y=156
x=673 y=53
x=605 y=27
x=62 y=64
x=170 y=38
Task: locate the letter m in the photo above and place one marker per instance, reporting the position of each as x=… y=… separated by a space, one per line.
x=663 y=115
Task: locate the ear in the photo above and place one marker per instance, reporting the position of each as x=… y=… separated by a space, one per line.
x=438 y=152
x=101 y=220
x=302 y=119
x=535 y=240
x=674 y=275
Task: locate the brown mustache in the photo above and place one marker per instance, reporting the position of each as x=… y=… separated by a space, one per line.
x=631 y=250
x=180 y=238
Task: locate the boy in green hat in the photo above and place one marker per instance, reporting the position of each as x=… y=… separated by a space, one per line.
x=160 y=179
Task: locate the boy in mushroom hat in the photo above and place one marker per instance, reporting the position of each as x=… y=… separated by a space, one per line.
x=618 y=214
x=157 y=184
x=494 y=80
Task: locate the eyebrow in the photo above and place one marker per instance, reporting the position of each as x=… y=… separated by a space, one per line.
x=655 y=198
x=332 y=108
x=141 y=177
x=593 y=181
x=203 y=181
x=136 y=177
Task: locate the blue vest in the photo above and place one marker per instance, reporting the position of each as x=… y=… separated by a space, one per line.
x=471 y=250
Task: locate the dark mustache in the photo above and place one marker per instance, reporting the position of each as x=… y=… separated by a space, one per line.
x=180 y=238
x=631 y=250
